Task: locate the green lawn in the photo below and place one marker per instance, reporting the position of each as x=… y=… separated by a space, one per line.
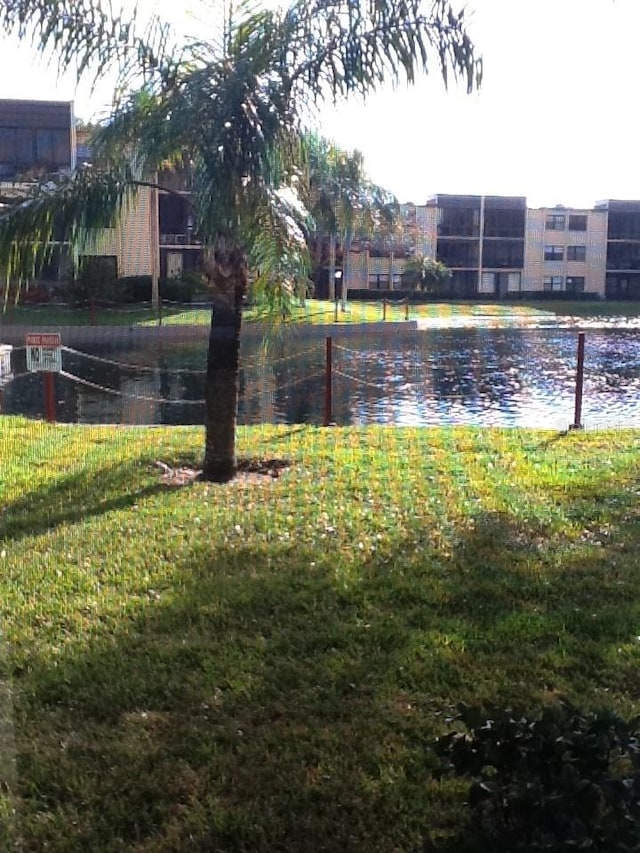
x=317 y=311
x=263 y=666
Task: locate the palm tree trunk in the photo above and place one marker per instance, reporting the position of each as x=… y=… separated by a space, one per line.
x=228 y=271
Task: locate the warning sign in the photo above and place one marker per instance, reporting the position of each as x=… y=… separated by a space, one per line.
x=5 y=364
x=43 y=352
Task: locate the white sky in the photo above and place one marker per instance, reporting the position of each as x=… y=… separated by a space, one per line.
x=556 y=119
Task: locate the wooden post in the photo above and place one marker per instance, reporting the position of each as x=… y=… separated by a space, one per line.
x=384 y=309
x=49 y=396
x=406 y=309
x=577 y=417
x=159 y=312
x=335 y=319
x=328 y=414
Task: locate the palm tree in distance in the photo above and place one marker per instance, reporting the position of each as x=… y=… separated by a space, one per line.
x=235 y=108
x=343 y=204
x=424 y=274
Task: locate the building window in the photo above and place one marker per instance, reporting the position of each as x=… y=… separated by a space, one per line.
x=502 y=254
x=552 y=283
x=7 y=145
x=575 y=284
x=553 y=253
x=514 y=282
x=555 y=222
x=458 y=222
x=576 y=253
x=487 y=283
x=578 y=222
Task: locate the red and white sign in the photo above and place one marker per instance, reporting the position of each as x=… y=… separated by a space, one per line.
x=43 y=351
x=5 y=364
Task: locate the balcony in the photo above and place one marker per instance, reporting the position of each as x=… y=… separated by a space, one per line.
x=455 y=230
x=179 y=240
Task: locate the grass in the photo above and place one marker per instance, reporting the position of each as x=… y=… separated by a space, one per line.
x=263 y=666
x=316 y=312
x=59 y=315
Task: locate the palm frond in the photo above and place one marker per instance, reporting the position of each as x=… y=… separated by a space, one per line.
x=65 y=209
x=85 y=38
x=339 y=47
x=339 y=193
x=279 y=252
x=232 y=113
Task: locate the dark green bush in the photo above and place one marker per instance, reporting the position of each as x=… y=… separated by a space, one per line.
x=134 y=288
x=177 y=290
x=563 y=781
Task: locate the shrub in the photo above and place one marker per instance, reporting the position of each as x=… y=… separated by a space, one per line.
x=564 y=781
x=177 y=290
x=35 y=295
x=134 y=288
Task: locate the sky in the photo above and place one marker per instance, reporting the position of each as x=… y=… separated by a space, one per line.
x=556 y=118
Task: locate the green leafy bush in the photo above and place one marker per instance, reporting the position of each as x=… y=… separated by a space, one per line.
x=134 y=288
x=177 y=290
x=564 y=781
x=95 y=279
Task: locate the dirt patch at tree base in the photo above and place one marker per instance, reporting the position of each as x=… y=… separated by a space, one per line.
x=251 y=470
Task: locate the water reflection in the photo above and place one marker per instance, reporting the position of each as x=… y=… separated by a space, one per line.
x=478 y=375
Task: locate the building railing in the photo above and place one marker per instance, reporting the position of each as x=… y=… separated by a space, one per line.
x=470 y=232
x=179 y=240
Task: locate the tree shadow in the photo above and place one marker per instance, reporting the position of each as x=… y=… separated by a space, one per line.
x=265 y=701
x=74 y=498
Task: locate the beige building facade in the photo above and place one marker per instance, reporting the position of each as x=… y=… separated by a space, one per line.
x=565 y=251
x=498 y=247
x=371 y=269
x=133 y=245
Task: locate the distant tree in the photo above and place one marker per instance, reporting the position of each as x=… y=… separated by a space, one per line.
x=344 y=204
x=236 y=105
x=424 y=274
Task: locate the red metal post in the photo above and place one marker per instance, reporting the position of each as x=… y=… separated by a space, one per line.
x=49 y=396
x=406 y=310
x=577 y=423
x=328 y=414
x=335 y=319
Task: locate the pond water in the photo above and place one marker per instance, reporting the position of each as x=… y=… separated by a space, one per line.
x=513 y=376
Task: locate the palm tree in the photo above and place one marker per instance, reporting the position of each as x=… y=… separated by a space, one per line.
x=343 y=202
x=423 y=273
x=235 y=108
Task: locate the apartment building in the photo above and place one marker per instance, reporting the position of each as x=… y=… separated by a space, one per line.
x=481 y=239
x=40 y=138
x=379 y=267
x=622 y=277
x=36 y=138
x=179 y=246
x=130 y=248
x=565 y=251
x=496 y=246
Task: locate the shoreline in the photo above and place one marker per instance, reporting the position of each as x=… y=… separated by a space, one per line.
x=14 y=335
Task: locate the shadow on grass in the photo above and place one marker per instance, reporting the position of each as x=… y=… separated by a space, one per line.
x=269 y=701
x=74 y=498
